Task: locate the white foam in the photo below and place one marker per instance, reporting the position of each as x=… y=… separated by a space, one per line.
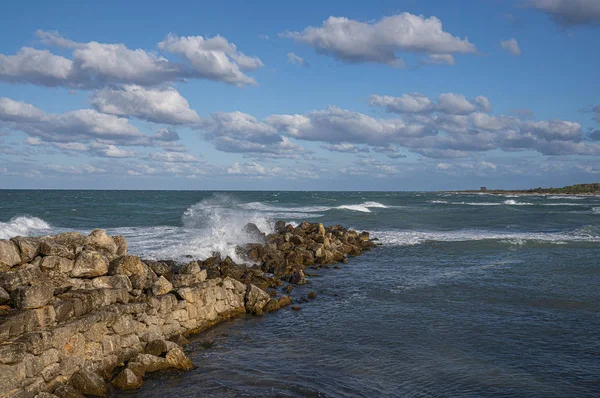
x=595 y=210
x=267 y=208
x=24 y=226
x=411 y=238
x=438 y=201
x=562 y=197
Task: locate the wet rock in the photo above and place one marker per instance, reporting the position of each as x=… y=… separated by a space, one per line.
x=298 y=277
x=272 y=305
x=127 y=265
x=99 y=240
x=29 y=297
x=128 y=380
x=190 y=268
x=312 y=295
x=89 y=383
x=254 y=232
x=288 y=289
x=179 y=340
x=255 y=300
x=151 y=363
x=159 y=347
x=162 y=286
x=284 y=301
x=296 y=308
x=9 y=253
x=89 y=264
x=280 y=227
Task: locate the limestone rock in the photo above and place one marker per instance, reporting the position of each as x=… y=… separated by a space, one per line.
x=44 y=394
x=89 y=383
x=9 y=253
x=89 y=264
x=4 y=296
x=66 y=391
x=160 y=268
x=254 y=232
x=29 y=297
x=19 y=276
x=159 y=347
x=128 y=380
x=49 y=247
x=272 y=305
x=190 y=268
x=161 y=286
x=55 y=264
x=151 y=363
x=28 y=247
x=112 y=282
x=256 y=299
x=121 y=243
x=98 y=239
x=177 y=359
x=298 y=277
x=127 y=265
x=284 y=301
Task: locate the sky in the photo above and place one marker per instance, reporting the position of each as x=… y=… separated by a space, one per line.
x=310 y=95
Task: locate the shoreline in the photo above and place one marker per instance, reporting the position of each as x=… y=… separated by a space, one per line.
x=77 y=312
x=520 y=193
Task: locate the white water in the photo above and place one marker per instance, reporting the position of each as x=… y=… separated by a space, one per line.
x=285 y=211
x=24 y=226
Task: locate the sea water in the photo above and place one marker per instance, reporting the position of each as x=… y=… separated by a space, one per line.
x=470 y=295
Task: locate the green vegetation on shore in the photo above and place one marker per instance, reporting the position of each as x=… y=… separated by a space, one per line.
x=577 y=189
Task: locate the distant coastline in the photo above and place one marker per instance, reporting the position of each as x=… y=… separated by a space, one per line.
x=592 y=189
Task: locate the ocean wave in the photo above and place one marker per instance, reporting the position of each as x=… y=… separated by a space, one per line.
x=562 y=197
x=263 y=207
x=411 y=238
x=23 y=225
x=438 y=201
x=595 y=210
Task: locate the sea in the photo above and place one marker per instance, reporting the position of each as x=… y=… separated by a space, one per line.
x=470 y=295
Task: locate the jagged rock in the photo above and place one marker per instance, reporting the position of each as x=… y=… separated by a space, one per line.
x=66 y=391
x=177 y=359
x=298 y=277
x=9 y=253
x=89 y=383
x=151 y=363
x=89 y=264
x=52 y=248
x=57 y=265
x=190 y=268
x=121 y=243
x=280 y=227
x=296 y=308
x=179 y=340
x=44 y=394
x=98 y=239
x=254 y=232
x=4 y=296
x=272 y=305
x=19 y=276
x=160 y=268
x=127 y=265
x=128 y=380
x=28 y=297
x=28 y=247
x=255 y=300
x=161 y=286
x=321 y=230
x=112 y=282
x=159 y=347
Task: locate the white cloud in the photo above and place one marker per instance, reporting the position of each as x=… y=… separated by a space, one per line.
x=295 y=59
x=407 y=103
x=213 y=58
x=454 y=104
x=164 y=105
x=19 y=111
x=438 y=59
x=512 y=46
x=570 y=12
x=345 y=147
x=35 y=66
x=174 y=157
x=380 y=41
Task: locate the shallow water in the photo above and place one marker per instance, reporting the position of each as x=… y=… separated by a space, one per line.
x=471 y=295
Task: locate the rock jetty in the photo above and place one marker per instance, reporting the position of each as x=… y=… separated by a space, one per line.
x=79 y=316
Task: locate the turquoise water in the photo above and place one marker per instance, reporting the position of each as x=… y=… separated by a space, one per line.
x=471 y=295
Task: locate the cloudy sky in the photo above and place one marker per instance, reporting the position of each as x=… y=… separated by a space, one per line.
x=361 y=95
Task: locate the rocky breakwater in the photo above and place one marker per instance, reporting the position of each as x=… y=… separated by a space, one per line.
x=77 y=311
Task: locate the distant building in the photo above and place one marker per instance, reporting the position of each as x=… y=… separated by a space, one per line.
x=483 y=189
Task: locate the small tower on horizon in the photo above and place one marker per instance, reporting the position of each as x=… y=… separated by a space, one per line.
x=483 y=189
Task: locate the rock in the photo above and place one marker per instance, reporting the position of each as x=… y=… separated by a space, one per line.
x=19 y=276
x=321 y=230
x=89 y=264
x=28 y=247
x=9 y=253
x=190 y=268
x=99 y=240
x=159 y=347
x=58 y=265
x=272 y=305
x=280 y=227
x=29 y=297
x=4 y=296
x=180 y=340
x=72 y=240
x=151 y=363
x=44 y=394
x=66 y=391
x=284 y=301
x=89 y=383
x=112 y=282
x=298 y=277
x=177 y=359
x=161 y=286
x=254 y=233
x=363 y=236
x=296 y=240
x=121 y=243
x=255 y=300
x=296 y=308
x=312 y=295
x=128 y=380
x=127 y=265
x=160 y=268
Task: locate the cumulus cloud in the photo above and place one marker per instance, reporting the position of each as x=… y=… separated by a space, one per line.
x=159 y=105
x=380 y=41
x=213 y=58
x=407 y=103
x=95 y=64
x=345 y=148
x=295 y=59
x=438 y=59
x=570 y=12
x=174 y=157
x=512 y=46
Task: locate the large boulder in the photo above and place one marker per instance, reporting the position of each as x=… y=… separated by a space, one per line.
x=162 y=286
x=280 y=227
x=112 y=282
x=29 y=297
x=89 y=264
x=29 y=247
x=255 y=300
x=98 y=239
x=19 y=276
x=128 y=380
x=57 y=265
x=89 y=383
x=177 y=359
x=49 y=247
x=127 y=265
x=254 y=232
x=9 y=253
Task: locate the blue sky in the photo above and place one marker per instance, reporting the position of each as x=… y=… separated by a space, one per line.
x=385 y=95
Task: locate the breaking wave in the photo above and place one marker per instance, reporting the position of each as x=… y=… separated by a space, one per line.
x=23 y=225
x=308 y=210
